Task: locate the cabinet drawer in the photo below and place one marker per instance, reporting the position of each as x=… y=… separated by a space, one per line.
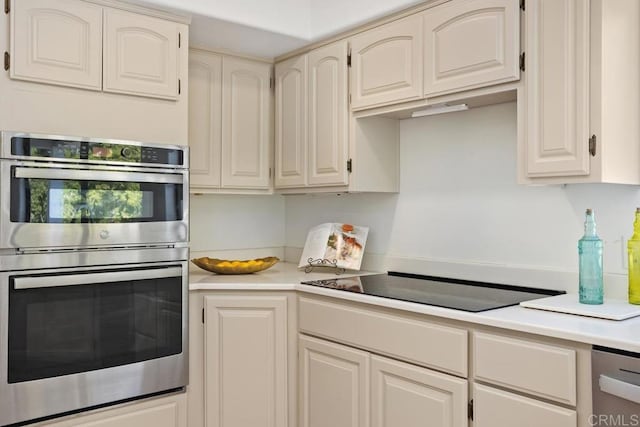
x=539 y=369
x=423 y=343
x=167 y=411
x=493 y=407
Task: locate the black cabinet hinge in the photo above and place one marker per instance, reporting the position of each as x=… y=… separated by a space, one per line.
x=203 y=315
x=522 y=6
x=179 y=87
x=7 y=6
x=179 y=40
x=522 y=62
x=592 y=145
x=470 y=410
x=349 y=165
x=7 y=61
x=349 y=58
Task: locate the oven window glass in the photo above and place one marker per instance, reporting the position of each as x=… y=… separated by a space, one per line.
x=47 y=201
x=61 y=330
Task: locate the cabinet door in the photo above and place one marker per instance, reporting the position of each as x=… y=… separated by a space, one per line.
x=497 y=408
x=557 y=88
x=334 y=384
x=245 y=361
x=246 y=124
x=328 y=115
x=387 y=63
x=407 y=395
x=205 y=115
x=471 y=44
x=140 y=55
x=57 y=42
x=291 y=123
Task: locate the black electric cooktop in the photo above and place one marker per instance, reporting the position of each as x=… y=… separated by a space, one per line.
x=457 y=294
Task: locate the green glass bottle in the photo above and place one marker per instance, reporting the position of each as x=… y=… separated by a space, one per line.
x=590 y=289
x=633 y=249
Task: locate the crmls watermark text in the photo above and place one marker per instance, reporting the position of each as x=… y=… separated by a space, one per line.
x=610 y=420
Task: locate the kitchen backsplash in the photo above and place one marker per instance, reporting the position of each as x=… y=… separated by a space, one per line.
x=459 y=210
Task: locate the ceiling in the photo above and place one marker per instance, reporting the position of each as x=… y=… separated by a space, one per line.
x=268 y=28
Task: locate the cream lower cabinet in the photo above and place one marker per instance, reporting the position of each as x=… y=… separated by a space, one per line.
x=411 y=396
x=334 y=384
x=246 y=361
x=498 y=408
x=168 y=411
x=81 y=44
x=345 y=387
x=580 y=102
x=517 y=379
x=230 y=122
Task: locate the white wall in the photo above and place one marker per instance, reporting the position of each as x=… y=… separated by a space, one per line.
x=459 y=204
x=268 y=28
x=232 y=223
x=333 y=16
x=289 y=17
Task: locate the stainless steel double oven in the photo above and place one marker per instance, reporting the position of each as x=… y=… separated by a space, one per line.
x=93 y=273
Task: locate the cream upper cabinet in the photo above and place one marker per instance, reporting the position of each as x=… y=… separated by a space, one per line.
x=57 y=42
x=557 y=86
x=328 y=115
x=318 y=147
x=470 y=44
x=205 y=116
x=246 y=124
x=291 y=123
x=81 y=44
x=140 y=55
x=386 y=63
x=230 y=122
x=579 y=107
x=245 y=361
x=334 y=384
x=407 y=395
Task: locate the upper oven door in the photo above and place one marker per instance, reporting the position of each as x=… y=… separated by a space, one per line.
x=49 y=205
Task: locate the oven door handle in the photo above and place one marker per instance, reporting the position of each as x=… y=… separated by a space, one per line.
x=620 y=388
x=97 y=175
x=92 y=278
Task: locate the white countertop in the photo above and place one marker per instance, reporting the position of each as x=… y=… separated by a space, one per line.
x=624 y=335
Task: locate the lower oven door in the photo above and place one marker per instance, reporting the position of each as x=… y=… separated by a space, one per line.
x=77 y=338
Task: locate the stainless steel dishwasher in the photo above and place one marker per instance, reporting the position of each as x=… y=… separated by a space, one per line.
x=616 y=387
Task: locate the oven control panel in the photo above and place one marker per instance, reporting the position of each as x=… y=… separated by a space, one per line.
x=107 y=152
